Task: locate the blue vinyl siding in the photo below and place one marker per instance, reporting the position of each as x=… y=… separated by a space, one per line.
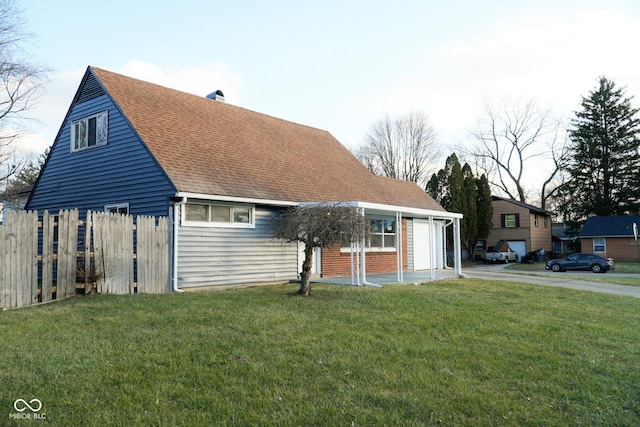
x=121 y=171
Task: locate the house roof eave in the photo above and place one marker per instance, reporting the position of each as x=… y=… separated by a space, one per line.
x=234 y=199
x=404 y=210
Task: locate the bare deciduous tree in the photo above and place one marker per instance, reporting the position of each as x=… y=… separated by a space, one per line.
x=401 y=147
x=321 y=225
x=21 y=83
x=512 y=143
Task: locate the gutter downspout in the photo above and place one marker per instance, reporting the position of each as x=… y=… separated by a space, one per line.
x=432 y=268
x=457 y=248
x=399 y=238
x=176 y=209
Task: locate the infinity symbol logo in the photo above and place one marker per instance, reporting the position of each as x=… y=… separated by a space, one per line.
x=25 y=405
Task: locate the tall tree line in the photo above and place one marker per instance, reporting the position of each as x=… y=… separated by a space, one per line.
x=458 y=190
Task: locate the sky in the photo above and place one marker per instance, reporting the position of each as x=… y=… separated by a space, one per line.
x=342 y=65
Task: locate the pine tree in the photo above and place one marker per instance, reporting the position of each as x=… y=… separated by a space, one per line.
x=470 y=211
x=457 y=190
x=455 y=183
x=485 y=208
x=605 y=141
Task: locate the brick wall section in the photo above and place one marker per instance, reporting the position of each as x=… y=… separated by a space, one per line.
x=618 y=248
x=336 y=263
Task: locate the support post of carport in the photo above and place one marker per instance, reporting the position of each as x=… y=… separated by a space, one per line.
x=457 y=248
x=399 y=237
x=432 y=252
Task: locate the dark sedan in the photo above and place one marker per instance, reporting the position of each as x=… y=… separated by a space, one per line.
x=586 y=262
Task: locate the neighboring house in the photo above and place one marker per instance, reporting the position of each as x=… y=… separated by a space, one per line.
x=14 y=200
x=525 y=227
x=565 y=240
x=221 y=173
x=611 y=236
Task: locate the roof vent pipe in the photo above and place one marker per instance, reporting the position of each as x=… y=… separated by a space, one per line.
x=216 y=96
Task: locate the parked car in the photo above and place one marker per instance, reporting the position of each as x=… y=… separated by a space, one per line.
x=503 y=256
x=586 y=262
x=501 y=252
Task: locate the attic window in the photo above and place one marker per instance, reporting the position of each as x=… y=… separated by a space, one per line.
x=89 y=132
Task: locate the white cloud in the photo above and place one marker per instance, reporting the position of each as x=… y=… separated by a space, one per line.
x=553 y=58
x=52 y=107
x=50 y=110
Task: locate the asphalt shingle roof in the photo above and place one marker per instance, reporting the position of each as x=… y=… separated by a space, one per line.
x=215 y=148
x=610 y=226
x=531 y=208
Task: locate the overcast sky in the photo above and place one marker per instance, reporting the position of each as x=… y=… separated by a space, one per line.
x=341 y=65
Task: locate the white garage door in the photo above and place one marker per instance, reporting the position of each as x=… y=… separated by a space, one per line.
x=520 y=246
x=424 y=248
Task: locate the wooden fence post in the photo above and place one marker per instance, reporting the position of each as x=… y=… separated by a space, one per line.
x=5 y=273
x=152 y=254
x=47 y=256
x=67 y=253
x=87 y=254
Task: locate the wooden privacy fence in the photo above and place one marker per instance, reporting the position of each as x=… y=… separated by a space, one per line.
x=56 y=256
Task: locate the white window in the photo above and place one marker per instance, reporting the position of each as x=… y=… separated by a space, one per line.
x=89 y=132
x=117 y=208
x=219 y=215
x=535 y=220
x=599 y=245
x=382 y=236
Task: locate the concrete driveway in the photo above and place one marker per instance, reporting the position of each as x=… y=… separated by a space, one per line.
x=565 y=280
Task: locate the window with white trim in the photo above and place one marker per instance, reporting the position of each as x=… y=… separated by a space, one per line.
x=599 y=245
x=89 y=132
x=219 y=215
x=382 y=236
x=117 y=208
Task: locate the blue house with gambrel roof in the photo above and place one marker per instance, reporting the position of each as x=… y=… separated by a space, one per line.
x=221 y=173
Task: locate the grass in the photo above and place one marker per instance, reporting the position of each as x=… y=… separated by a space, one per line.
x=621 y=267
x=456 y=352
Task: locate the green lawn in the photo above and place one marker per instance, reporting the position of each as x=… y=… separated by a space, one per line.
x=455 y=352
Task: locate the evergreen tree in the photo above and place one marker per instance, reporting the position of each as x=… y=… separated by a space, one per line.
x=485 y=207
x=605 y=143
x=436 y=187
x=469 y=229
x=455 y=182
x=457 y=190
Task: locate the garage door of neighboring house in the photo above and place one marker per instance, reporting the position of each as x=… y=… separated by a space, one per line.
x=423 y=245
x=520 y=246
